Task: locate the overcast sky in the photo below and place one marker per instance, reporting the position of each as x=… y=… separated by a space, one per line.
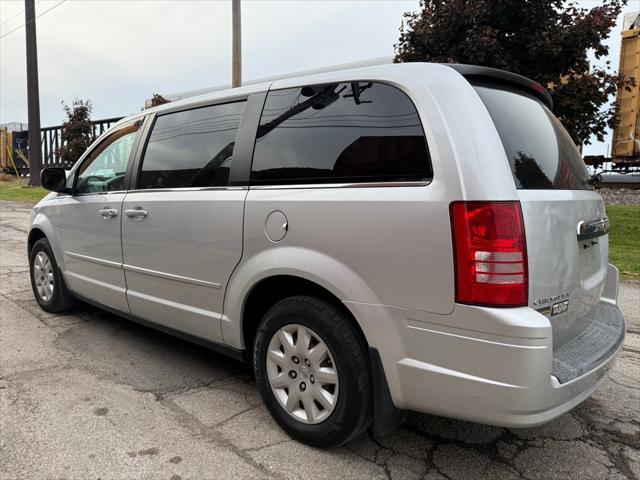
x=118 y=52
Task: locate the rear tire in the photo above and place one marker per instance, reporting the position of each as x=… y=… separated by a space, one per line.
x=46 y=280
x=332 y=396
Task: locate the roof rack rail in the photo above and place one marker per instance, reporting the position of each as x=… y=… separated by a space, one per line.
x=468 y=71
x=373 y=62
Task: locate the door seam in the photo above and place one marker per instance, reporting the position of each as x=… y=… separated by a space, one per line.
x=226 y=287
x=124 y=272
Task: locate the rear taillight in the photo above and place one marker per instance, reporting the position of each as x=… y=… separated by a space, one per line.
x=490 y=253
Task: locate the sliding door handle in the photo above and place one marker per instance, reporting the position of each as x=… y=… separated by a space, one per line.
x=136 y=213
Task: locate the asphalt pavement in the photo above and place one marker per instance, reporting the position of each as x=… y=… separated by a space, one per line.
x=87 y=395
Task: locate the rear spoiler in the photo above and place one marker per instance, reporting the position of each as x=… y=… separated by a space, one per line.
x=493 y=75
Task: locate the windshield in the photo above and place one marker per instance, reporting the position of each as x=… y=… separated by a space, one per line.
x=541 y=153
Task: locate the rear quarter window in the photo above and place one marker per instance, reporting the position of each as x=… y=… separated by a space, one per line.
x=342 y=132
x=541 y=153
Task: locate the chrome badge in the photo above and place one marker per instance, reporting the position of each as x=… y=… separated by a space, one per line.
x=559 y=308
x=558 y=304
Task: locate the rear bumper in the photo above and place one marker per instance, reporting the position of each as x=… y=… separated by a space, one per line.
x=597 y=342
x=499 y=373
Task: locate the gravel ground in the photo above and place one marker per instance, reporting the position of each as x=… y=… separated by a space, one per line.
x=620 y=196
x=88 y=395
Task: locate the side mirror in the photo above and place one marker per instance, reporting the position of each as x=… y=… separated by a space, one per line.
x=54 y=179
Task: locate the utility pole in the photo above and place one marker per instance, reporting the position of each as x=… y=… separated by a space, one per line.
x=33 y=94
x=236 y=80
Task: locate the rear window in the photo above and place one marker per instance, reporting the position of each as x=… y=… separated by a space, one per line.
x=541 y=153
x=340 y=132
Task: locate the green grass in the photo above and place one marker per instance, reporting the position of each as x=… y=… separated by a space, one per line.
x=16 y=191
x=624 y=239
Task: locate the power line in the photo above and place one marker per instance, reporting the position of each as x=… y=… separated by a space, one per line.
x=37 y=16
x=11 y=18
x=14 y=16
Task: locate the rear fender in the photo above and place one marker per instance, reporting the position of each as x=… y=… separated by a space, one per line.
x=304 y=263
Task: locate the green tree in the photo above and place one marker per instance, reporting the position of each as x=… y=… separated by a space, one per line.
x=77 y=131
x=546 y=40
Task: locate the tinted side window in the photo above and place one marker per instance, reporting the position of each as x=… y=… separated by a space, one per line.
x=340 y=132
x=105 y=167
x=193 y=148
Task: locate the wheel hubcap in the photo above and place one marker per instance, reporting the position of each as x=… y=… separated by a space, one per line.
x=43 y=276
x=302 y=374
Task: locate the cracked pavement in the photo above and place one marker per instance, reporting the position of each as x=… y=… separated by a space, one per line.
x=89 y=395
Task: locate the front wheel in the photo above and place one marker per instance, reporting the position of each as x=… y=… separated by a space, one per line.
x=312 y=371
x=46 y=280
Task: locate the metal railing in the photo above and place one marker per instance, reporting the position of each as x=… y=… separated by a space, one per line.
x=52 y=139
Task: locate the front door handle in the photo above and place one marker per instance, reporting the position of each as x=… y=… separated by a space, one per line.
x=136 y=213
x=108 y=213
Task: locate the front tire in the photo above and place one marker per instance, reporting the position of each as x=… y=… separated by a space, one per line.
x=46 y=280
x=312 y=370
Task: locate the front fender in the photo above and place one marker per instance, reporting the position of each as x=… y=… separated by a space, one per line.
x=305 y=263
x=41 y=222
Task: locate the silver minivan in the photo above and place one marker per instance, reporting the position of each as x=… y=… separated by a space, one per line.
x=376 y=240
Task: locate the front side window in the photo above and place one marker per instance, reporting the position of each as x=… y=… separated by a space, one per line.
x=192 y=148
x=104 y=169
x=339 y=132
